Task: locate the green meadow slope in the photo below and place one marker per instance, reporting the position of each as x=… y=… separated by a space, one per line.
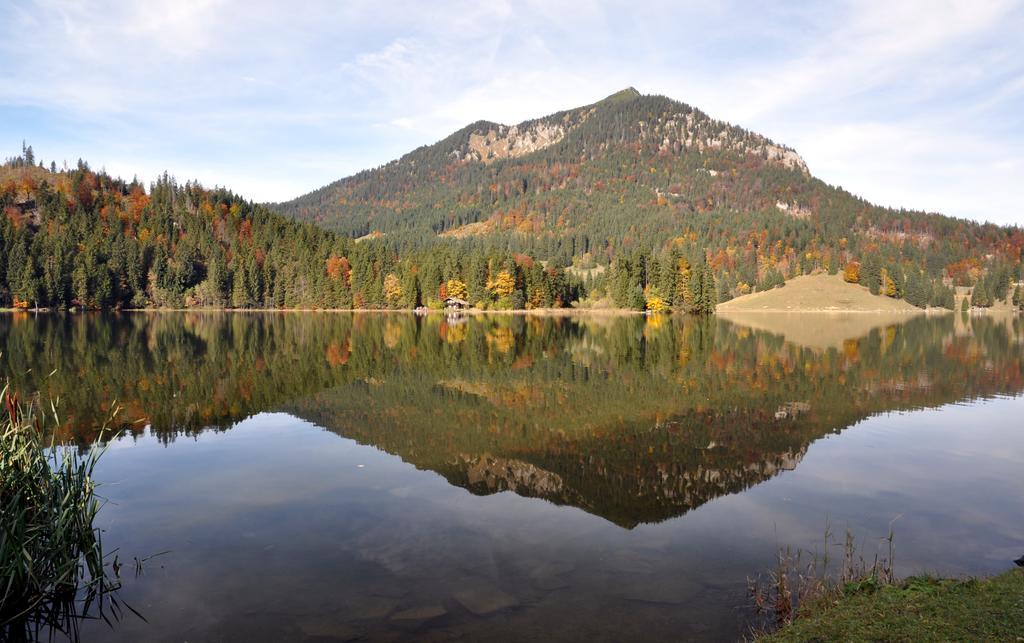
x=817 y=293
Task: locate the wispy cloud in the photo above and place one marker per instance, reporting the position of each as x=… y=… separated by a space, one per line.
x=915 y=104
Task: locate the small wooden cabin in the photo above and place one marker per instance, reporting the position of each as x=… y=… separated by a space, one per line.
x=454 y=303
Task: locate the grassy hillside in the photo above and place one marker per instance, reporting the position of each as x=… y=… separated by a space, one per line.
x=817 y=293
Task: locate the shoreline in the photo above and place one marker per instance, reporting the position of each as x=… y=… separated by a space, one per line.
x=879 y=311
x=831 y=311
x=539 y=312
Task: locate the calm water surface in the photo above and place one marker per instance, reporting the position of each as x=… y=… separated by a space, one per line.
x=335 y=477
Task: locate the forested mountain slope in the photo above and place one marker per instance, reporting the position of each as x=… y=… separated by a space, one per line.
x=77 y=238
x=633 y=177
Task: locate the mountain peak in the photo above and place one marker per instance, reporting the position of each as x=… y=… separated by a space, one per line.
x=628 y=93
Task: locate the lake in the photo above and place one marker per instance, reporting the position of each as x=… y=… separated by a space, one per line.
x=332 y=476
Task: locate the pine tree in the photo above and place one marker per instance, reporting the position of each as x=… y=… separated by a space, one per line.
x=23 y=277
x=217 y=278
x=241 y=295
x=705 y=292
x=410 y=290
x=255 y=282
x=871 y=274
x=917 y=292
x=80 y=284
x=476 y=279
x=636 y=298
x=710 y=299
x=948 y=300
x=980 y=297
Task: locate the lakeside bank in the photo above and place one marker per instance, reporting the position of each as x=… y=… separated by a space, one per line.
x=917 y=608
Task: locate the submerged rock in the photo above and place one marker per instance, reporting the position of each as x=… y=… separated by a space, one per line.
x=549 y=583
x=655 y=592
x=421 y=613
x=549 y=576
x=330 y=627
x=485 y=599
x=370 y=607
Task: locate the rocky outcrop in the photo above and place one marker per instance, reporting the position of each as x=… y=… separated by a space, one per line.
x=511 y=142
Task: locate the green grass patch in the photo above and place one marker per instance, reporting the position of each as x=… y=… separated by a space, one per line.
x=920 y=608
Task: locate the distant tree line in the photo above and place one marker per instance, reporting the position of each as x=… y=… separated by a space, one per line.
x=82 y=239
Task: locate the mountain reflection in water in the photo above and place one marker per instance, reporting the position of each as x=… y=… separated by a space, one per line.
x=633 y=419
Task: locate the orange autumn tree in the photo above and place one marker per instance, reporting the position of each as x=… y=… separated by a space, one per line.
x=851 y=274
x=338 y=268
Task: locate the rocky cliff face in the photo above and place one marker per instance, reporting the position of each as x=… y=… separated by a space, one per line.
x=505 y=142
x=695 y=131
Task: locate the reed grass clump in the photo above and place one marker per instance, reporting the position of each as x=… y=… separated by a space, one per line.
x=803 y=581
x=51 y=555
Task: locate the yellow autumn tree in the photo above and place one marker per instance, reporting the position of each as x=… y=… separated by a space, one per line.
x=656 y=304
x=888 y=284
x=392 y=288
x=503 y=284
x=684 y=272
x=456 y=288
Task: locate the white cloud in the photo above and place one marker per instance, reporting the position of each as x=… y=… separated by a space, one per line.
x=913 y=103
x=885 y=159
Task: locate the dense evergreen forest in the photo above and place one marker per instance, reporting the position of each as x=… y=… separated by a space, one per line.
x=78 y=238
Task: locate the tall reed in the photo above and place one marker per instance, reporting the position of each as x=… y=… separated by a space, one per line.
x=51 y=554
x=801 y=578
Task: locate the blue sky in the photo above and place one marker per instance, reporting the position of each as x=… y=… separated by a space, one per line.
x=916 y=104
